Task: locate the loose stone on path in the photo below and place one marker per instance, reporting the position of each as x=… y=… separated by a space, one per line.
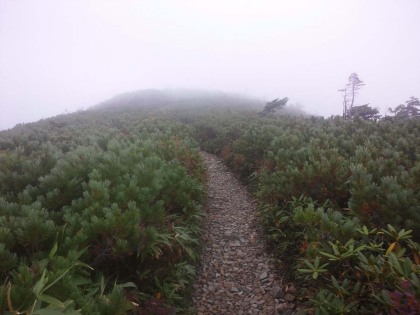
x=236 y=276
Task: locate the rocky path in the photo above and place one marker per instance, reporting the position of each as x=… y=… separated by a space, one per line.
x=236 y=276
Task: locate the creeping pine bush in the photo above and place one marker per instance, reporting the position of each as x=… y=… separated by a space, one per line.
x=339 y=200
x=99 y=220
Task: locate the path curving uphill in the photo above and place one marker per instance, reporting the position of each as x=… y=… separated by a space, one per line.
x=236 y=276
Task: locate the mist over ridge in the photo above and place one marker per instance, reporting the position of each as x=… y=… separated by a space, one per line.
x=193 y=99
x=180 y=98
x=173 y=100
x=61 y=56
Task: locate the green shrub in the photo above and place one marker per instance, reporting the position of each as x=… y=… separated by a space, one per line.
x=328 y=190
x=105 y=218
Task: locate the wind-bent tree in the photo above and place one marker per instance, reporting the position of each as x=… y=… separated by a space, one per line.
x=365 y=112
x=349 y=94
x=410 y=110
x=273 y=106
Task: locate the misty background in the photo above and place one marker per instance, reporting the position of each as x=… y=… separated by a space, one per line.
x=61 y=56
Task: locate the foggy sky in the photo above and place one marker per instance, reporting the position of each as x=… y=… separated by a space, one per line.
x=57 y=54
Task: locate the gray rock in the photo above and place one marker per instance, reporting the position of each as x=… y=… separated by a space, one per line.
x=247 y=289
x=263 y=275
x=277 y=292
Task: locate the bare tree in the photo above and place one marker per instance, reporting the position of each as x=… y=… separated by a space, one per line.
x=349 y=94
x=345 y=99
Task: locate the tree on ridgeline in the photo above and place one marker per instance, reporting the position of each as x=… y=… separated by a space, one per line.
x=365 y=111
x=349 y=94
x=275 y=105
x=408 y=111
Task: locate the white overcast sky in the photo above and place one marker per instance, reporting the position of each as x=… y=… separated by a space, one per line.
x=67 y=54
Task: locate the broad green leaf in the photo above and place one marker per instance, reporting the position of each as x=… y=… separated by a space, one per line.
x=51 y=300
x=332 y=257
x=415 y=280
x=395 y=263
x=82 y=264
x=128 y=285
x=40 y=284
x=309 y=264
x=53 y=250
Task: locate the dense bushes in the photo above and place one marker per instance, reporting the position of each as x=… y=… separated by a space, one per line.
x=103 y=217
x=100 y=210
x=339 y=199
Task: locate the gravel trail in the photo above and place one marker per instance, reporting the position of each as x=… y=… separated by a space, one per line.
x=236 y=276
